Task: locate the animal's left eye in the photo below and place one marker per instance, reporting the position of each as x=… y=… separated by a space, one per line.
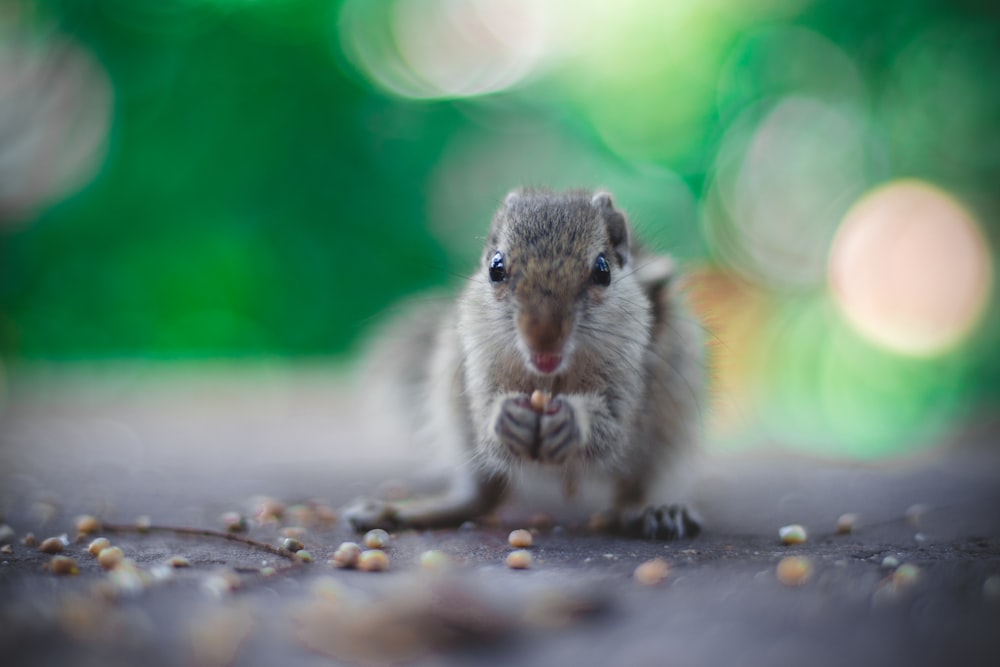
x=601 y=275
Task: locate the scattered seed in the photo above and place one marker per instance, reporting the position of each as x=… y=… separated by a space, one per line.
x=98 y=545
x=63 y=565
x=143 y=523
x=234 y=522
x=905 y=575
x=325 y=515
x=346 y=555
x=298 y=532
x=300 y=515
x=435 y=560
x=7 y=534
x=542 y=521
x=376 y=538
x=178 y=561
x=51 y=545
x=268 y=571
x=890 y=563
x=652 y=572
x=6 y=549
x=794 y=570
x=267 y=509
x=87 y=524
x=292 y=544
x=373 y=560
x=111 y=557
x=600 y=522
x=846 y=523
x=540 y=400
x=793 y=534
x=29 y=540
x=304 y=556
x=520 y=539
x=519 y=559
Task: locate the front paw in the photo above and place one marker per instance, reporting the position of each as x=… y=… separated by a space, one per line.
x=558 y=432
x=666 y=522
x=517 y=426
x=367 y=513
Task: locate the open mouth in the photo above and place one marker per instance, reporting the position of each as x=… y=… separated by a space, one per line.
x=546 y=363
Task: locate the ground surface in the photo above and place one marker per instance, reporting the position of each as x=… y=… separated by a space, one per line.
x=184 y=451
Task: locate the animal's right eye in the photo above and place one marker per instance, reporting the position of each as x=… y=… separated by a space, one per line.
x=498 y=270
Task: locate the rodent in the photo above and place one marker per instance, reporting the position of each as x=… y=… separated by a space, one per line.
x=566 y=301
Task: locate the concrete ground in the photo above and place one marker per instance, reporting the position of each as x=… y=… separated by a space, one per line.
x=917 y=581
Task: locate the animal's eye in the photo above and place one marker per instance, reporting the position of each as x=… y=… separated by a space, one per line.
x=601 y=275
x=498 y=271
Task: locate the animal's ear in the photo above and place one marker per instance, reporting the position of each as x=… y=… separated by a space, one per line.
x=654 y=270
x=619 y=233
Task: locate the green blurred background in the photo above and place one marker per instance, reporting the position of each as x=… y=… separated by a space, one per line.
x=260 y=180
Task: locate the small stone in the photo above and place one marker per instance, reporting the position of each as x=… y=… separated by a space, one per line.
x=890 y=563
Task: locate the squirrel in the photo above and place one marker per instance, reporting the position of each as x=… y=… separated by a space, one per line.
x=569 y=353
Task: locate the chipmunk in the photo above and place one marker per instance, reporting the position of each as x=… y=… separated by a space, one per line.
x=564 y=302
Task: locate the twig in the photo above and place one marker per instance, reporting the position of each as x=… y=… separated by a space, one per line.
x=202 y=532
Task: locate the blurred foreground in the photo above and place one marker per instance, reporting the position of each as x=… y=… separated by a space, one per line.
x=184 y=449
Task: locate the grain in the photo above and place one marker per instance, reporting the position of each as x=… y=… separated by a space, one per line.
x=51 y=545
x=98 y=545
x=652 y=573
x=520 y=539
x=793 y=534
x=87 y=524
x=63 y=565
x=373 y=560
x=519 y=559
x=794 y=570
x=111 y=557
x=540 y=400
x=346 y=555
x=376 y=538
x=846 y=523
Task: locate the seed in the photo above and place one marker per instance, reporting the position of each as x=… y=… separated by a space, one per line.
x=51 y=545
x=794 y=570
x=234 y=522
x=87 y=524
x=325 y=515
x=652 y=572
x=293 y=544
x=304 y=556
x=6 y=549
x=890 y=563
x=846 y=522
x=915 y=514
x=98 y=545
x=110 y=557
x=143 y=523
x=268 y=509
x=905 y=575
x=519 y=559
x=7 y=534
x=29 y=540
x=63 y=565
x=376 y=539
x=793 y=534
x=434 y=560
x=540 y=400
x=373 y=560
x=298 y=532
x=520 y=539
x=178 y=561
x=346 y=555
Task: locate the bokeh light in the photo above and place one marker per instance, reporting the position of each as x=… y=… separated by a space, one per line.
x=246 y=179
x=55 y=116
x=910 y=268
